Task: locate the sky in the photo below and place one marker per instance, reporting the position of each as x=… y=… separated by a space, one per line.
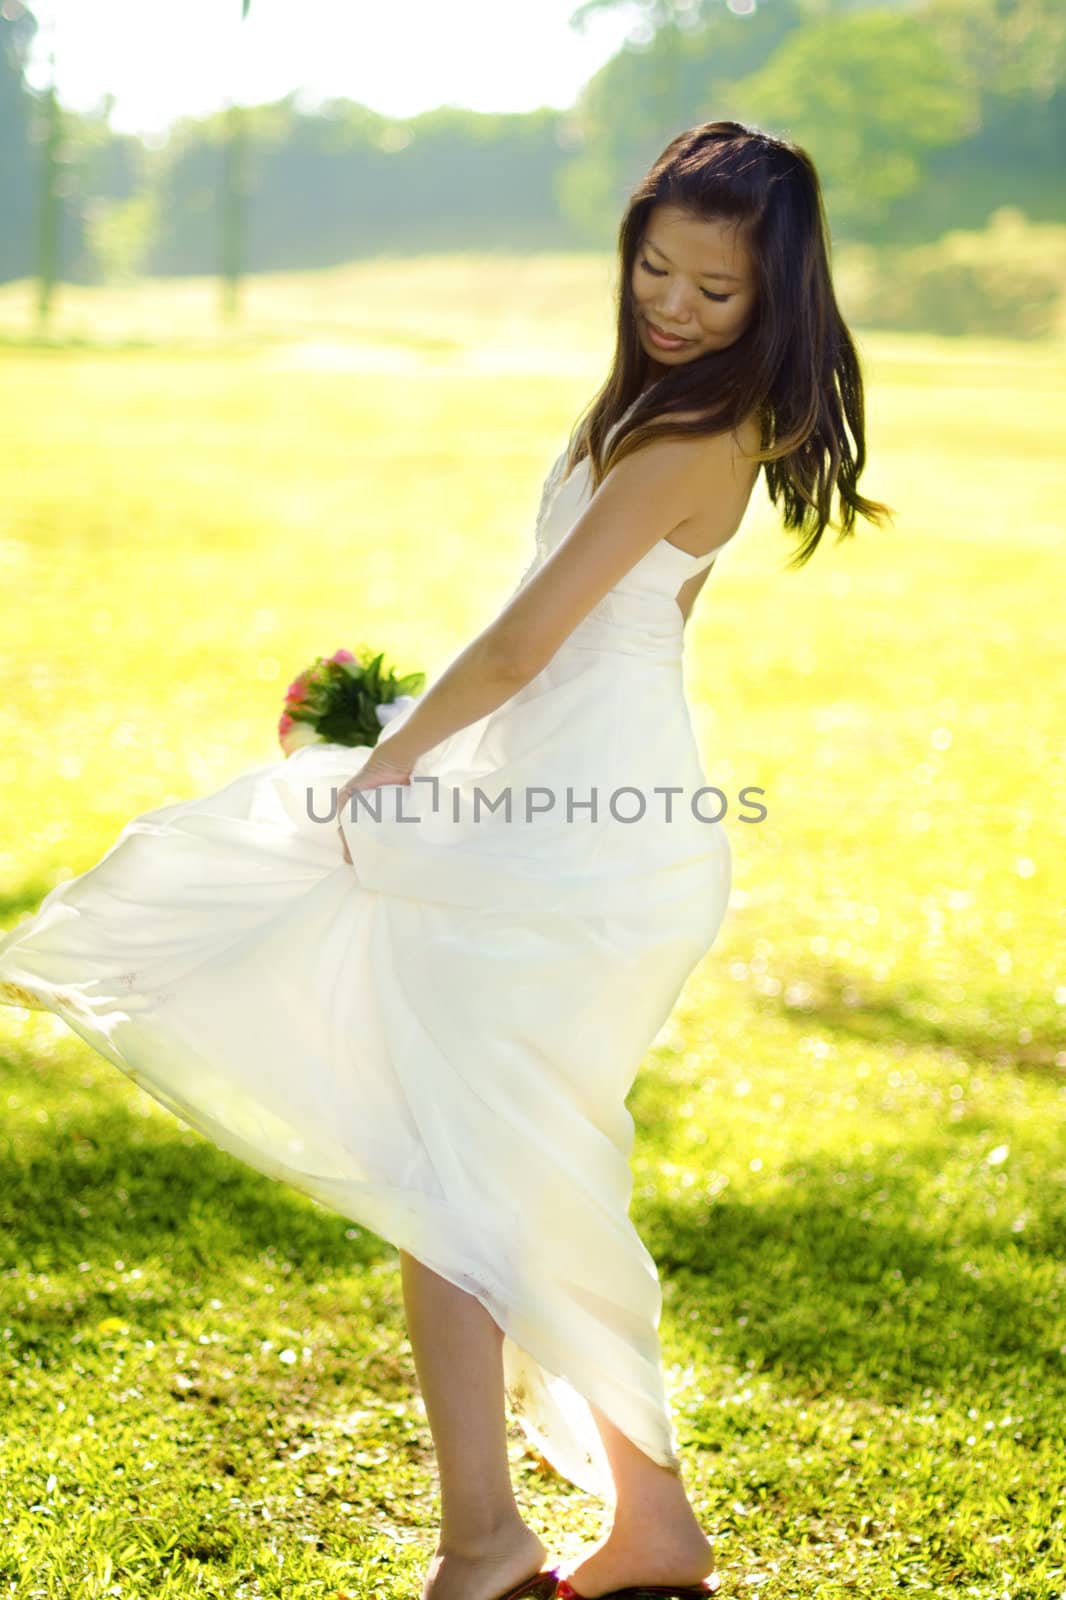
x=168 y=58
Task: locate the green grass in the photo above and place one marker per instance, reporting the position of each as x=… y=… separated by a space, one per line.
x=850 y=1162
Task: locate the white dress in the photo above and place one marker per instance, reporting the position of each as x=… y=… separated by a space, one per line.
x=437 y=1040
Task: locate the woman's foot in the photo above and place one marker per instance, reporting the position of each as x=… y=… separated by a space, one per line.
x=485 y=1569
x=623 y=1561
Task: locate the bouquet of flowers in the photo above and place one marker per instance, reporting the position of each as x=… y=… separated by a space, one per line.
x=344 y=698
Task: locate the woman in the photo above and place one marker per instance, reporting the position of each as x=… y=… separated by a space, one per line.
x=432 y=1029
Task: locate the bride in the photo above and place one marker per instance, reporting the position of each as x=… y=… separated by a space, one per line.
x=430 y=1025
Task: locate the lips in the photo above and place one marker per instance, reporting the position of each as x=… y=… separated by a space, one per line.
x=662 y=331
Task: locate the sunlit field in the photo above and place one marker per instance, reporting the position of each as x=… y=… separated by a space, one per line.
x=850 y=1161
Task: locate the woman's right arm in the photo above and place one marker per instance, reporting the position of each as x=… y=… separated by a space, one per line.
x=479 y=680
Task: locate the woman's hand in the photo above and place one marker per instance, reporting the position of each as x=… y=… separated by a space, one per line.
x=379 y=768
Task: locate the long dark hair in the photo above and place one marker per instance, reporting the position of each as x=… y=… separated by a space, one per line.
x=795 y=365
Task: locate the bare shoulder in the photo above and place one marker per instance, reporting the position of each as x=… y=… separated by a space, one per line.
x=720 y=486
x=700 y=463
x=707 y=466
x=740 y=443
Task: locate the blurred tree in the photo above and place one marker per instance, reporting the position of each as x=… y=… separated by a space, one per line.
x=118 y=199
x=118 y=235
x=621 y=119
x=659 y=30
x=1014 y=55
x=17 y=30
x=234 y=207
x=345 y=183
x=1008 y=47
x=234 y=202
x=868 y=93
x=62 y=173
x=920 y=116
x=48 y=191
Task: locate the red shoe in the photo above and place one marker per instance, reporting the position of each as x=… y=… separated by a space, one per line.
x=648 y=1591
x=541 y=1586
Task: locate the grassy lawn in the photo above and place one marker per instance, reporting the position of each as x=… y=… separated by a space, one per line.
x=851 y=1163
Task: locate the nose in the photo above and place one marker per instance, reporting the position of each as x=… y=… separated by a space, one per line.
x=672 y=307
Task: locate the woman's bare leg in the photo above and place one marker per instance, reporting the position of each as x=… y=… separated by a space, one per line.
x=484 y=1548
x=654 y=1537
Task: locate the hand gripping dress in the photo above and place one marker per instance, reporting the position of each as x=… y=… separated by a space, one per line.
x=436 y=1040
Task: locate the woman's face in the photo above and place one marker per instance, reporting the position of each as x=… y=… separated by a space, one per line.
x=692 y=278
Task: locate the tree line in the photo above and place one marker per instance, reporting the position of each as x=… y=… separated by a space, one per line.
x=920 y=119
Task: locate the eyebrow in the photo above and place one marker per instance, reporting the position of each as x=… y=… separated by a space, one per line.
x=727 y=277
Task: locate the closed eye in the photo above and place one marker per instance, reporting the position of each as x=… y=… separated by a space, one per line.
x=660 y=272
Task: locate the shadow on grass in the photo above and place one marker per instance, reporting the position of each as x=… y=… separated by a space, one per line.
x=114 y=1185
x=845 y=1278
x=911 y=1019
x=841 y=1278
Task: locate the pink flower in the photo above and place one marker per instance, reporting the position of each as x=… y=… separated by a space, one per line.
x=294 y=693
x=296 y=735
x=284 y=723
x=342 y=655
